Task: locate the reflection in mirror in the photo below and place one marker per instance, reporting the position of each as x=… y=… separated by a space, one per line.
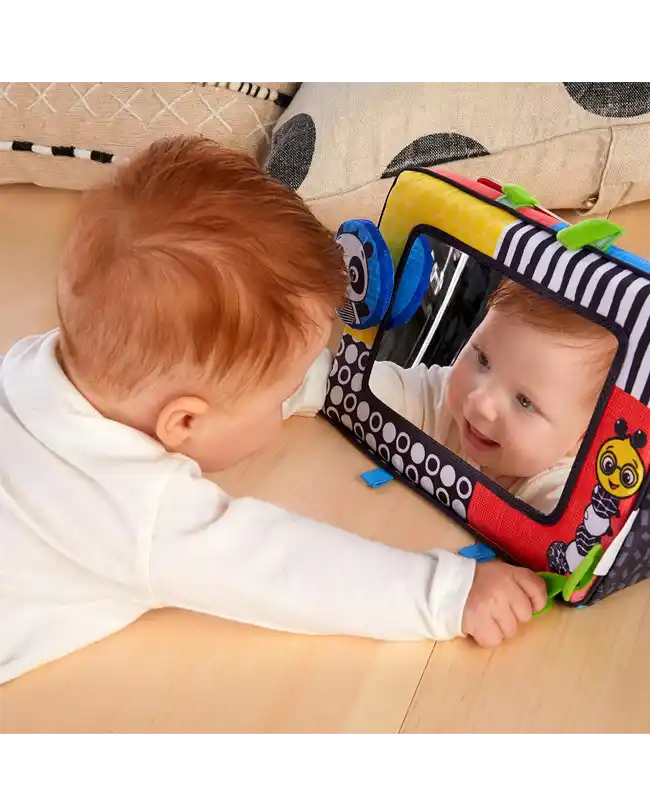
x=503 y=377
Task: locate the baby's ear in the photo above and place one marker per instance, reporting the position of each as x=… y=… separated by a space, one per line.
x=176 y=418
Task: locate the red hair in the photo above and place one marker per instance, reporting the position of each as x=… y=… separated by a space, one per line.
x=191 y=254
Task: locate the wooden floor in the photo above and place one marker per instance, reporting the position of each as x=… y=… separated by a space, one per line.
x=568 y=671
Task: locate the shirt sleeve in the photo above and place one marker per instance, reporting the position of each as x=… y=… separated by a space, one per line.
x=246 y=560
x=418 y=393
x=310 y=398
x=543 y=491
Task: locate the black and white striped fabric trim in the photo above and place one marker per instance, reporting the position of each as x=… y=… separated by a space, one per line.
x=58 y=152
x=593 y=282
x=256 y=91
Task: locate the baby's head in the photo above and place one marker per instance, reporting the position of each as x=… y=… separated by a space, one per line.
x=196 y=293
x=524 y=388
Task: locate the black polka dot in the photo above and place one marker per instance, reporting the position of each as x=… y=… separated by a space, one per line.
x=434 y=149
x=292 y=150
x=611 y=99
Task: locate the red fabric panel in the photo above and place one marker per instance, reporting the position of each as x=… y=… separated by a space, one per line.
x=493 y=193
x=524 y=538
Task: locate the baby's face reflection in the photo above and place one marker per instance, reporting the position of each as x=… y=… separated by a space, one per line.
x=522 y=397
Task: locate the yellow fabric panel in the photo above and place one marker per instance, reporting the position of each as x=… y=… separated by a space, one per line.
x=418 y=199
x=367 y=336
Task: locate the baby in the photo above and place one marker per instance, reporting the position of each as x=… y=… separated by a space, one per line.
x=196 y=295
x=518 y=400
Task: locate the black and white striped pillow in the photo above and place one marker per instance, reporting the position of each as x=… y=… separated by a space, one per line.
x=98 y=156
x=58 y=152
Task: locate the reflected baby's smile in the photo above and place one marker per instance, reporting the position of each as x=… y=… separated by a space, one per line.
x=477 y=439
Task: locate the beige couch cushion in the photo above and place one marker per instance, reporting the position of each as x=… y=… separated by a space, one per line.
x=574 y=145
x=121 y=118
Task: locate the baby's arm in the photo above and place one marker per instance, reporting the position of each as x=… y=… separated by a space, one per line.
x=407 y=391
x=252 y=562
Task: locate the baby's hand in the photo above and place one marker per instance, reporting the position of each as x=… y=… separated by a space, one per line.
x=500 y=599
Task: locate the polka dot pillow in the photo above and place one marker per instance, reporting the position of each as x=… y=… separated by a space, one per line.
x=577 y=144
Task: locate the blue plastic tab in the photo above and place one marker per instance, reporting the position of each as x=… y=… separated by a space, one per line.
x=478 y=551
x=376 y=478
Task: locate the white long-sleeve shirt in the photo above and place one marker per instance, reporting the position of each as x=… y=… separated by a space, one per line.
x=99 y=524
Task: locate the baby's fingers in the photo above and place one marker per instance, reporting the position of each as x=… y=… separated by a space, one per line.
x=533 y=586
x=506 y=620
x=521 y=604
x=488 y=634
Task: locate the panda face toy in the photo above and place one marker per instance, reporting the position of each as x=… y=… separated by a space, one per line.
x=356 y=255
x=370 y=274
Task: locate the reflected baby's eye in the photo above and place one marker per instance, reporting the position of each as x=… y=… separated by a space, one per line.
x=526 y=403
x=482 y=358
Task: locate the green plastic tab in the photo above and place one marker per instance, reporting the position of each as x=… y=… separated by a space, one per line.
x=517 y=197
x=554 y=587
x=599 y=233
x=584 y=573
x=566 y=585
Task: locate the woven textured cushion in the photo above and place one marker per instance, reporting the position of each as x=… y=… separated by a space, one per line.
x=574 y=145
x=121 y=118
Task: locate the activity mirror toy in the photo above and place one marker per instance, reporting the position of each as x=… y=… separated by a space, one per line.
x=419 y=283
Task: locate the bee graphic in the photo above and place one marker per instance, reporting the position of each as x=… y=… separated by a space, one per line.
x=620 y=473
